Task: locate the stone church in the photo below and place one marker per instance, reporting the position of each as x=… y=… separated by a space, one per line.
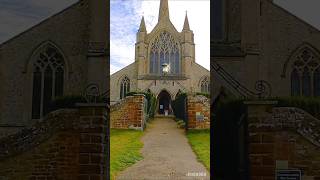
x=164 y=63
x=60 y=56
x=260 y=49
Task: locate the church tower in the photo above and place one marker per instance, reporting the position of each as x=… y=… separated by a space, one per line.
x=141 y=49
x=188 y=46
x=164 y=62
x=179 y=57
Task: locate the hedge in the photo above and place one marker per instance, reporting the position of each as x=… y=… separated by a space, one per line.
x=203 y=94
x=65 y=102
x=178 y=106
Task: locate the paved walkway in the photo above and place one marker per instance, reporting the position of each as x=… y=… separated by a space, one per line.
x=167 y=155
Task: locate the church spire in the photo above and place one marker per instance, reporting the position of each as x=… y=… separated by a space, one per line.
x=186 y=23
x=142 y=27
x=164 y=10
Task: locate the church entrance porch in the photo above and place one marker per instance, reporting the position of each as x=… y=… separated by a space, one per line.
x=164 y=103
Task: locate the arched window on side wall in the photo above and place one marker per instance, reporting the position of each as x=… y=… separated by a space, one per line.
x=305 y=76
x=295 y=83
x=205 y=85
x=306 y=82
x=316 y=82
x=48 y=80
x=124 y=87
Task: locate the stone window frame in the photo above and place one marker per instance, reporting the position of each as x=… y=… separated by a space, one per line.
x=204 y=84
x=39 y=63
x=124 y=86
x=172 y=47
x=304 y=71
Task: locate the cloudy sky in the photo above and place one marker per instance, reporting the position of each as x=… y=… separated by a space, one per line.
x=18 y=15
x=126 y=16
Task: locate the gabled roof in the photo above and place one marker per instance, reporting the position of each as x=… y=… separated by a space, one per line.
x=294 y=16
x=42 y=22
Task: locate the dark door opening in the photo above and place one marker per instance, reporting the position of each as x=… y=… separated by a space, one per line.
x=164 y=102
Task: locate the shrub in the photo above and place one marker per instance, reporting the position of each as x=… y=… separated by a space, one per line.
x=66 y=102
x=203 y=94
x=227 y=114
x=178 y=106
x=181 y=123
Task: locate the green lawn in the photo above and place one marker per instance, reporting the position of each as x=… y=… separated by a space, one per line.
x=125 y=148
x=200 y=143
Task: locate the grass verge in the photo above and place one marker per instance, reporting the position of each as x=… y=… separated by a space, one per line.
x=125 y=148
x=200 y=143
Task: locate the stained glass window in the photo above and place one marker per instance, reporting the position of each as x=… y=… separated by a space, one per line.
x=295 y=83
x=205 y=85
x=316 y=82
x=165 y=49
x=305 y=77
x=36 y=97
x=124 y=87
x=48 y=80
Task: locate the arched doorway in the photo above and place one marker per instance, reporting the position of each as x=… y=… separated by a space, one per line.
x=164 y=102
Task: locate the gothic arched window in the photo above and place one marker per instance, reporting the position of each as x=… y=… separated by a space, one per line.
x=164 y=50
x=295 y=83
x=205 y=85
x=48 y=80
x=305 y=77
x=306 y=82
x=316 y=82
x=124 y=87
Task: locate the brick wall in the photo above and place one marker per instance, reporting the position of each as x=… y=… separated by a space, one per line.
x=67 y=144
x=282 y=138
x=198 y=105
x=128 y=113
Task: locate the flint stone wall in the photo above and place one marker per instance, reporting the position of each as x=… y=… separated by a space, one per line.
x=282 y=138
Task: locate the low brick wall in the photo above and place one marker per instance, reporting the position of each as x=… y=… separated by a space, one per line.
x=68 y=144
x=129 y=113
x=282 y=138
x=198 y=112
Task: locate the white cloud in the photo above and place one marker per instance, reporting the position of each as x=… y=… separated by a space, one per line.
x=199 y=21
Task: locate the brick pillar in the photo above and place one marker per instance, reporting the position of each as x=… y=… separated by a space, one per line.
x=198 y=104
x=261 y=140
x=93 y=142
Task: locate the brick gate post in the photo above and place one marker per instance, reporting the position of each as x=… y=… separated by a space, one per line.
x=261 y=142
x=93 y=141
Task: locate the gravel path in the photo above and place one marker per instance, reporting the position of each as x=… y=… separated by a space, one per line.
x=167 y=155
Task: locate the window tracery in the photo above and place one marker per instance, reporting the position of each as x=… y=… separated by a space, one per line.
x=205 y=85
x=305 y=77
x=164 y=49
x=124 y=87
x=48 y=80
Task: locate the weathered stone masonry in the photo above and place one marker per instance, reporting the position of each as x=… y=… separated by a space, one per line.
x=282 y=138
x=68 y=144
x=129 y=113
